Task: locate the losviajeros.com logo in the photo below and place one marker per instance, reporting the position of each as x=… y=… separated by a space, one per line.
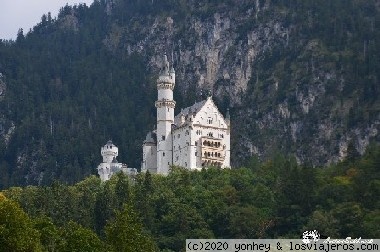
x=348 y=240
x=312 y=240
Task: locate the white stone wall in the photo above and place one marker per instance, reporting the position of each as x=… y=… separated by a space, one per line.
x=104 y=171
x=187 y=139
x=181 y=147
x=149 y=158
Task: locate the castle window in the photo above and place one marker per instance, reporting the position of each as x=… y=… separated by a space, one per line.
x=179 y=135
x=163 y=154
x=196 y=154
x=185 y=164
x=196 y=143
x=163 y=138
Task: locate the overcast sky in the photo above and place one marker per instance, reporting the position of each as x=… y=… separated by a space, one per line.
x=25 y=14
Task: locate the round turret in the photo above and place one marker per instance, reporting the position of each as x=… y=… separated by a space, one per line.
x=109 y=152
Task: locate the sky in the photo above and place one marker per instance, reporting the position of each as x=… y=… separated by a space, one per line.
x=16 y=14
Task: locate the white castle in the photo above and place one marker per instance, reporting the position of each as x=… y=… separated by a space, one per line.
x=110 y=165
x=199 y=136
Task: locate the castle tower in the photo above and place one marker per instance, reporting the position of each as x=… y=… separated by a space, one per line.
x=165 y=117
x=109 y=153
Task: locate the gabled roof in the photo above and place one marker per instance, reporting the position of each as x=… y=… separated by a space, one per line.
x=195 y=108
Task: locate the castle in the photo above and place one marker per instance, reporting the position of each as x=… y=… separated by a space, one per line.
x=199 y=136
x=110 y=165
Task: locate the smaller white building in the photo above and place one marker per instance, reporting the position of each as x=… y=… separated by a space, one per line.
x=110 y=165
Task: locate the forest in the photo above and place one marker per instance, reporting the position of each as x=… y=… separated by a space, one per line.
x=272 y=199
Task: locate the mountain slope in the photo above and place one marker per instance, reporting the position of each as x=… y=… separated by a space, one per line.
x=300 y=77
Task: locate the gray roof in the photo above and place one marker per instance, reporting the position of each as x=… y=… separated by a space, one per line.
x=192 y=109
x=151 y=137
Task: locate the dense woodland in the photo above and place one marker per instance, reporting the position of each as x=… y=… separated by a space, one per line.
x=67 y=97
x=274 y=199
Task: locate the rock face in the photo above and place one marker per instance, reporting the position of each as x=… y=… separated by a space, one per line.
x=7 y=127
x=290 y=90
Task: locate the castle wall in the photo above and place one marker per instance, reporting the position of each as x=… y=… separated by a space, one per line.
x=149 y=158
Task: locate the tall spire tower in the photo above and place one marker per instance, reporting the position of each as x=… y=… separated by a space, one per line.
x=165 y=117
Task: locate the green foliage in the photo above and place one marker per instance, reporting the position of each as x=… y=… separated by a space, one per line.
x=152 y=212
x=50 y=235
x=77 y=238
x=16 y=229
x=125 y=233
